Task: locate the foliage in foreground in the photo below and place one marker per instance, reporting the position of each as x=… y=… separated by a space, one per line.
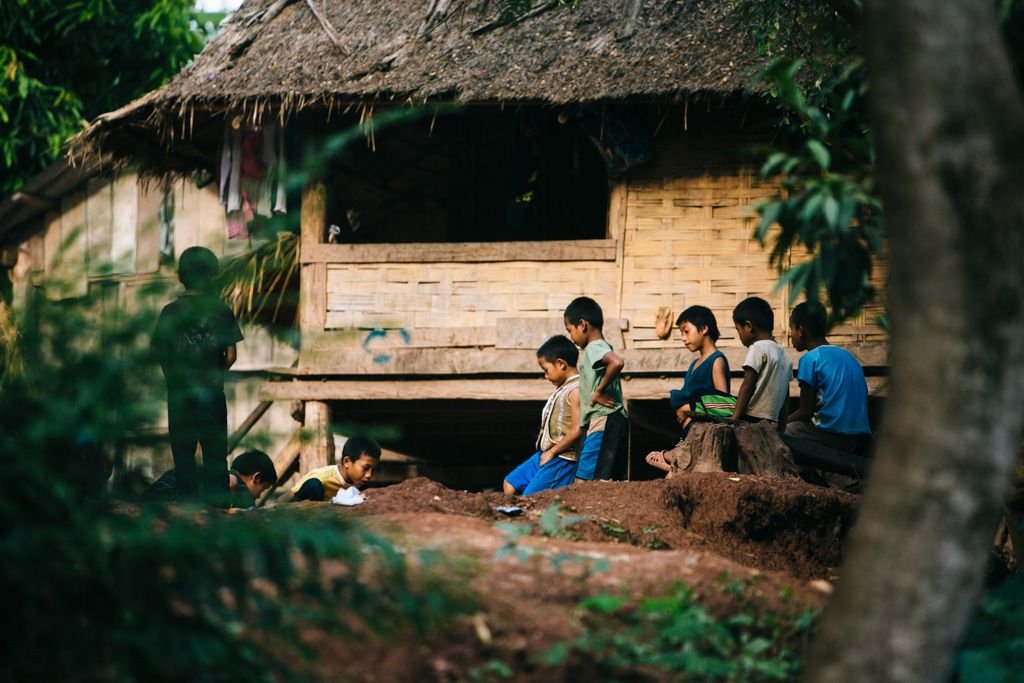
x=675 y=635
x=994 y=646
x=64 y=61
x=101 y=590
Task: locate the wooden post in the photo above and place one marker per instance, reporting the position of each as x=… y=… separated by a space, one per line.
x=318 y=450
x=318 y=447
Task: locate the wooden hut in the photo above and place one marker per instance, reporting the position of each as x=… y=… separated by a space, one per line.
x=87 y=238
x=598 y=148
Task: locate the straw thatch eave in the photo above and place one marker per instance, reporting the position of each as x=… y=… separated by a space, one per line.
x=279 y=57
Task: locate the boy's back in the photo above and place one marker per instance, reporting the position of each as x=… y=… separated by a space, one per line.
x=190 y=338
x=774 y=371
x=842 y=390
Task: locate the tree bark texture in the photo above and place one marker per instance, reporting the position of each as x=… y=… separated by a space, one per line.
x=745 y=448
x=709 y=447
x=949 y=135
x=762 y=452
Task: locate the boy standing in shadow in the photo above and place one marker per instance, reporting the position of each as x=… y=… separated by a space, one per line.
x=195 y=341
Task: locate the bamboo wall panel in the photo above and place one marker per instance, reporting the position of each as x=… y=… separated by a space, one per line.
x=147 y=236
x=212 y=226
x=425 y=296
x=51 y=245
x=73 y=247
x=188 y=217
x=123 y=225
x=99 y=216
x=689 y=240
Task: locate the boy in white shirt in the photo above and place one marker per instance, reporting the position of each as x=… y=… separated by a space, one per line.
x=767 y=369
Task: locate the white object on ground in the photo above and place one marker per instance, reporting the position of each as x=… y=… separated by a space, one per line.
x=349 y=496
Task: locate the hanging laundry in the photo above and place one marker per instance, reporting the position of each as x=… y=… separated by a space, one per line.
x=252 y=175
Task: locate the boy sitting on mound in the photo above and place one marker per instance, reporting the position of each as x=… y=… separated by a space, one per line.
x=707 y=378
x=833 y=392
x=359 y=456
x=767 y=369
x=554 y=464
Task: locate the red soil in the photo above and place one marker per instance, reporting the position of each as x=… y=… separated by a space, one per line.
x=777 y=537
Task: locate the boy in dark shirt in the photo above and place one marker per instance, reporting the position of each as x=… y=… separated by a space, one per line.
x=250 y=475
x=195 y=342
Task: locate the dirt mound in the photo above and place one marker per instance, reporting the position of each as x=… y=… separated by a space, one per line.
x=714 y=533
x=527 y=604
x=780 y=524
x=426 y=495
x=775 y=524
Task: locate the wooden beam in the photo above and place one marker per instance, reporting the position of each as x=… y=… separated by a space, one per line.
x=344 y=355
x=530 y=333
x=35 y=201
x=460 y=252
x=285 y=458
x=244 y=428
x=493 y=389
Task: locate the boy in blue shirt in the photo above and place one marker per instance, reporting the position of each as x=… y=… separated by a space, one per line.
x=601 y=408
x=833 y=392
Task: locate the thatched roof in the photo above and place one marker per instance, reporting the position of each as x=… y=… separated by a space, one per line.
x=287 y=55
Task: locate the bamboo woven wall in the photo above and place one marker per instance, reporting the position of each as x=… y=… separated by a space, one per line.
x=685 y=225
x=689 y=226
x=461 y=295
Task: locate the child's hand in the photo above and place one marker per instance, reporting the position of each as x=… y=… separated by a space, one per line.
x=546 y=457
x=683 y=414
x=603 y=399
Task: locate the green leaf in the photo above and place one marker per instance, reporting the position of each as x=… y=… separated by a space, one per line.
x=772 y=164
x=830 y=209
x=605 y=604
x=769 y=215
x=820 y=154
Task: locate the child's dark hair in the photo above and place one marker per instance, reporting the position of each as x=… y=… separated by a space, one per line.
x=356 y=446
x=256 y=462
x=700 y=316
x=811 y=316
x=584 y=308
x=559 y=347
x=757 y=312
x=197 y=267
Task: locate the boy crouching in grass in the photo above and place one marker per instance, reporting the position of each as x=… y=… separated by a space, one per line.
x=359 y=457
x=553 y=466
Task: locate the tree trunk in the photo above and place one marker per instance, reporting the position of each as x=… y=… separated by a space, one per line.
x=949 y=131
x=762 y=452
x=709 y=447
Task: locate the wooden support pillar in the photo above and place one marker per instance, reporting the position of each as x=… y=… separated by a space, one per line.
x=313 y=278
x=318 y=446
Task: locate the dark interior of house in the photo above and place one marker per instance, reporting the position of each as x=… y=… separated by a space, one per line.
x=479 y=174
